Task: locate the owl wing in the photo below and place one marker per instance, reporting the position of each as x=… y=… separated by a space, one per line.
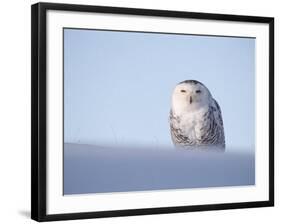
x=217 y=114
x=213 y=130
x=219 y=124
x=178 y=138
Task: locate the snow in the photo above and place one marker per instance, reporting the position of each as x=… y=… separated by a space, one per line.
x=94 y=169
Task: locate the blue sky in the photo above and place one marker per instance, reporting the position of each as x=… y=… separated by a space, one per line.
x=118 y=85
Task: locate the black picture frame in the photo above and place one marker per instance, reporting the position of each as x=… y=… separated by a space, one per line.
x=39 y=122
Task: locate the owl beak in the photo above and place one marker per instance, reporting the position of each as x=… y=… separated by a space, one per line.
x=190 y=99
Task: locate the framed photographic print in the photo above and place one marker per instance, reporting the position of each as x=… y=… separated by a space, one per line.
x=140 y=111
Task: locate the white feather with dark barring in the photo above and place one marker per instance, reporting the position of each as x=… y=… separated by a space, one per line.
x=195 y=117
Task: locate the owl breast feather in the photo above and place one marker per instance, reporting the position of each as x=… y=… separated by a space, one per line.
x=201 y=128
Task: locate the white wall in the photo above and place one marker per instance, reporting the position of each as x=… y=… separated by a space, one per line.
x=15 y=110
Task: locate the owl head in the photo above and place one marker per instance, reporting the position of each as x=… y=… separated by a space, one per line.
x=190 y=95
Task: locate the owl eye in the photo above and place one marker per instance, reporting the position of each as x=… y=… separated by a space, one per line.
x=183 y=91
x=198 y=91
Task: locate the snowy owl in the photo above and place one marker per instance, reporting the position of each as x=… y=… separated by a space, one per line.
x=195 y=117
